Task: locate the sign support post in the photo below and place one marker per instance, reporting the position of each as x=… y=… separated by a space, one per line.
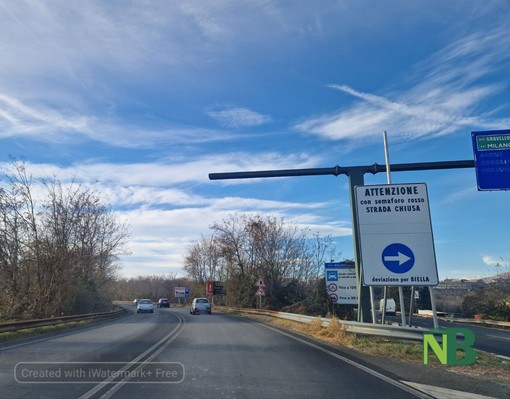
x=400 y=289
x=411 y=306
x=356 y=178
x=260 y=290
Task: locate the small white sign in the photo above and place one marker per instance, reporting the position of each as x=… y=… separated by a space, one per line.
x=395 y=233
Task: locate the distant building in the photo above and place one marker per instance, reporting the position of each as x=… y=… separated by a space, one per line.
x=450 y=294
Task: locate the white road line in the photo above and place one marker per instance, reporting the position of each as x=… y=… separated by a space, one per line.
x=444 y=393
x=121 y=383
x=164 y=342
x=498 y=337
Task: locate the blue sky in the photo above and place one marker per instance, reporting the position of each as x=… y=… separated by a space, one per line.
x=145 y=99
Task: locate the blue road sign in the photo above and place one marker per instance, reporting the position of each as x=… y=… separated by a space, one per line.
x=492 y=159
x=331 y=275
x=398 y=258
x=186 y=292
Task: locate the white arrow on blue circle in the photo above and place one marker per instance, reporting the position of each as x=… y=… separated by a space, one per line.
x=400 y=258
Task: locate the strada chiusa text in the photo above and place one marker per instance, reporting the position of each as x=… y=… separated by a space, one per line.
x=397 y=208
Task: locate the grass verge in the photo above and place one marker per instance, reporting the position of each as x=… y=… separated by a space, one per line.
x=37 y=331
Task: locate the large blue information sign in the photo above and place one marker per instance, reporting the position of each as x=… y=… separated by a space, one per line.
x=492 y=159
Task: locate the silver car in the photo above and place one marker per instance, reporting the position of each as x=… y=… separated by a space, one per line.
x=200 y=305
x=145 y=305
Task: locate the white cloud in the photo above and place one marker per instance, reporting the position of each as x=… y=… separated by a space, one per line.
x=459 y=195
x=60 y=53
x=17 y=118
x=165 y=173
x=251 y=203
x=161 y=237
x=491 y=260
x=239 y=117
x=442 y=99
x=317 y=224
x=73 y=42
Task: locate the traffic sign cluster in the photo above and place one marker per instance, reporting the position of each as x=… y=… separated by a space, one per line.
x=260 y=290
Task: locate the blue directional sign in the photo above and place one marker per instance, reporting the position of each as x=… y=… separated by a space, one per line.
x=398 y=258
x=331 y=275
x=492 y=159
x=186 y=292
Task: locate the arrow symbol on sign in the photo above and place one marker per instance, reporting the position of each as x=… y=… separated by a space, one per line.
x=400 y=258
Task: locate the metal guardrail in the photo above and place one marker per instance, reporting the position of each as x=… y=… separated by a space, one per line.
x=483 y=323
x=381 y=330
x=24 y=324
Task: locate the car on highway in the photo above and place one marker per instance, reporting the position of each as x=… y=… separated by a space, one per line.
x=163 y=303
x=200 y=305
x=145 y=305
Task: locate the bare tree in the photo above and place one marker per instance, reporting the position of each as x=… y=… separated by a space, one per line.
x=58 y=249
x=244 y=248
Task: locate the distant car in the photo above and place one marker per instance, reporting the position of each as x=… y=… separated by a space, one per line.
x=135 y=302
x=145 y=305
x=163 y=303
x=200 y=305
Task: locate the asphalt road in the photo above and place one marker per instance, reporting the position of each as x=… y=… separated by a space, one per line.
x=172 y=354
x=493 y=340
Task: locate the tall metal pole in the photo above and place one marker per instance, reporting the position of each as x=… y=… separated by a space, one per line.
x=387 y=157
x=356 y=178
x=388 y=177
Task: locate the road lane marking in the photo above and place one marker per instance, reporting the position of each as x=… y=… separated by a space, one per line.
x=123 y=382
x=498 y=337
x=445 y=393
x=157 y=348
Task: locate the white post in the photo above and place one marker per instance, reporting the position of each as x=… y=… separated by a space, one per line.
x=387 y=158
x=374 y=319
x=411 y=307
x=433 y=303
x=388 y=177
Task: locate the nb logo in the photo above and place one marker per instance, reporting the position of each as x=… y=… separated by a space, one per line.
x=447 y=353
